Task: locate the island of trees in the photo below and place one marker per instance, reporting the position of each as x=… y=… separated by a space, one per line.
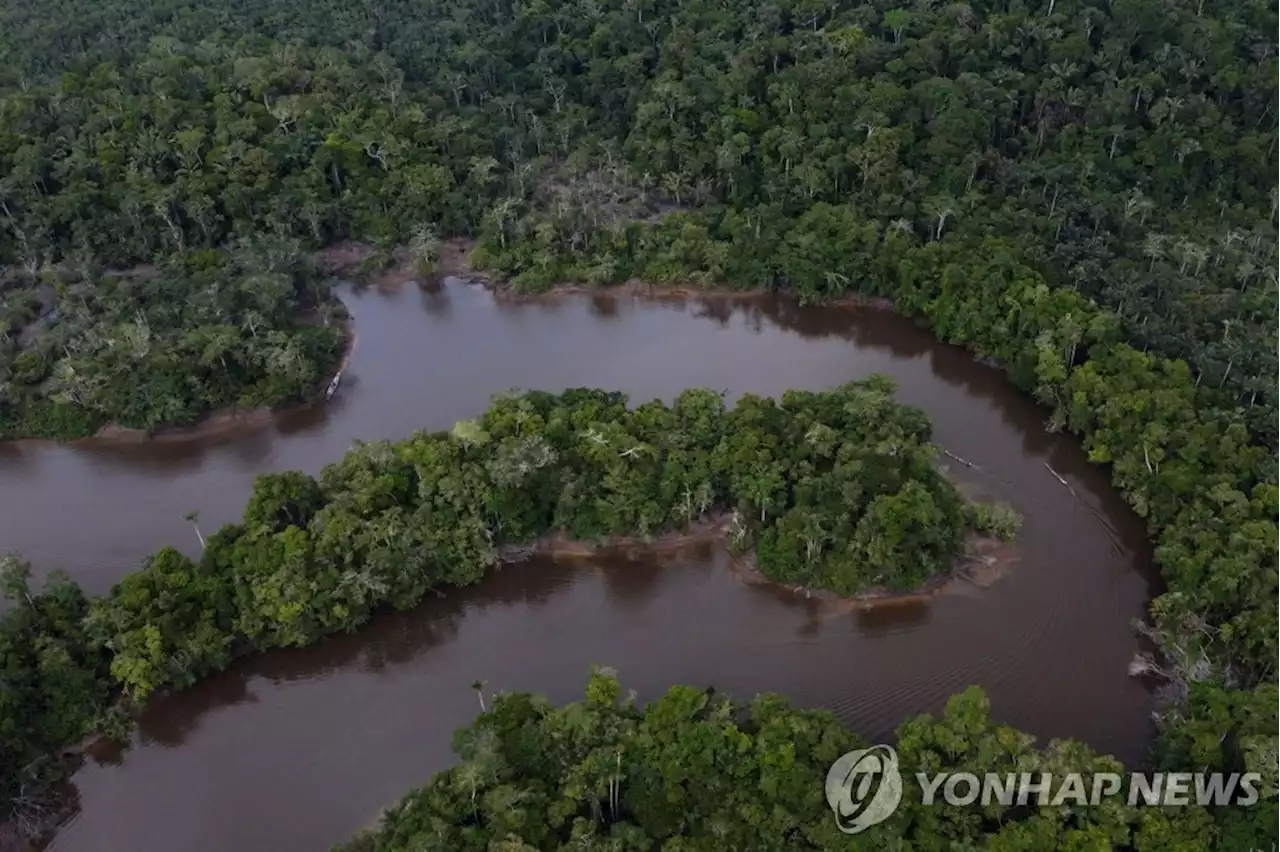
x=1082 y=191
x=836 y=489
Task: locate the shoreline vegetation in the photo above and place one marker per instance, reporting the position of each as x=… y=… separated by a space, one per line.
x=367 y=266
x=696 y=769
x=98 y=352
x=981 y=562
x=1082 y=192
x=386 y=270
x=231 y=418
x=223 y=420
x=836 y=489
x=390 y=270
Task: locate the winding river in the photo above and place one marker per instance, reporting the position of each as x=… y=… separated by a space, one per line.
x=295 y=750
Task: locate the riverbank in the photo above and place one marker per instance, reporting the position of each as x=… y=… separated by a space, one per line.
x=984 y=560
x=345 y=259
x=219 y=423
x=455 y=262
x=981 y=431
x=560 y=546
x=635 y=288
x=123 y=356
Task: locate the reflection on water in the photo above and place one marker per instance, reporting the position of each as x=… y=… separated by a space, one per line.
x=296 y=749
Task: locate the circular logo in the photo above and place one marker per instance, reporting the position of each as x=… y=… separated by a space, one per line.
x=864 y=787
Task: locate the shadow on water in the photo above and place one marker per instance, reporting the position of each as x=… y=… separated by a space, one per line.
x=603 y=307
x=435 y=301
x=391 y=638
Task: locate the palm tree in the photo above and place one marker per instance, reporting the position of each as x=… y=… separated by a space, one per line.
x=194 y=517
x=478 y=686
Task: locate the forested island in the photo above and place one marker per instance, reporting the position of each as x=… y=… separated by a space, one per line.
x=1082 y=192
x=837 y=489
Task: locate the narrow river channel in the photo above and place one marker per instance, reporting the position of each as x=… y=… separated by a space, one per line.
x=295 y=750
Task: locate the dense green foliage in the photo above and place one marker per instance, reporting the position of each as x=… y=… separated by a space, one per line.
x=836 y=489
x=156 y=347
x=53 y=684
x=1040 y=184
x=1082 y=191
x=1127 y=149
x=694 y=772
x=995 y=519
x=1230 y=731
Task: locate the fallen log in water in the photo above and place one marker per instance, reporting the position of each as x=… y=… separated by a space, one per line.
x=1058 y=477
x=964 y=462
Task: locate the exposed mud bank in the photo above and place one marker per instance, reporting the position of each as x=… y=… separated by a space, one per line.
x=984 y=560
x=562 y=547
x=219 y=422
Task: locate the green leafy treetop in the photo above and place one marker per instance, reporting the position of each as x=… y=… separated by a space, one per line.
x=697 y=772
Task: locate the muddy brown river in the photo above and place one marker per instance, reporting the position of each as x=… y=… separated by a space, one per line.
x=295 y=750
